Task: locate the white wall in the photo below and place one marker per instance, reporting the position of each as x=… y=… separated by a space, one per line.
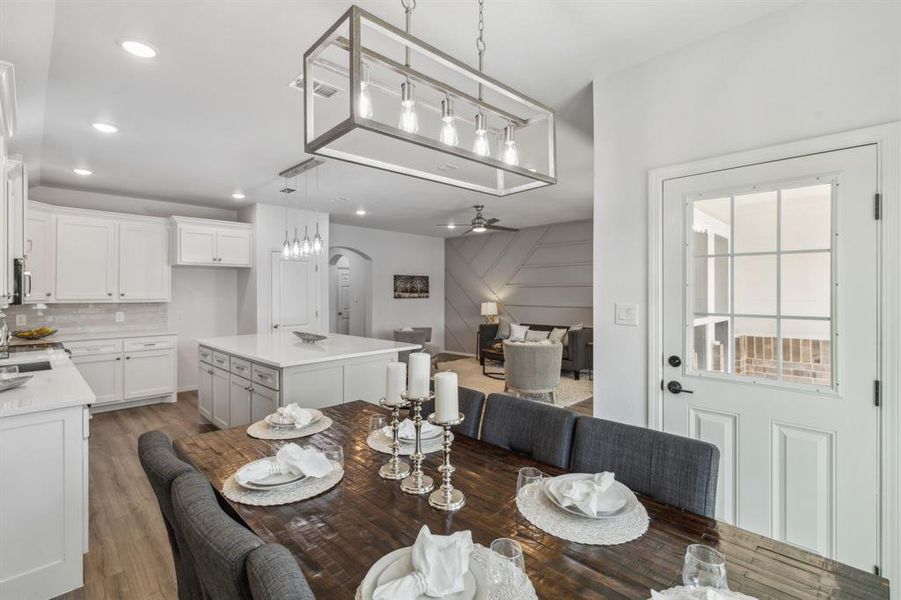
x=393 y=254
x=360 y=269
x=806 y=71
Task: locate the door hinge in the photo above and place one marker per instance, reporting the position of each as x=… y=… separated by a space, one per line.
x=876 y=570
x=877 y=393
x=877 y=206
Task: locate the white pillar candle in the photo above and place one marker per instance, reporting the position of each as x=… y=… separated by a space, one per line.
x=447 y=404
x=420 y=370
x=396 y=382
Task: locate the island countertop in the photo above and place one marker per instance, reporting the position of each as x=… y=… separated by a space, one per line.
x=284 y=349
x=60 y=386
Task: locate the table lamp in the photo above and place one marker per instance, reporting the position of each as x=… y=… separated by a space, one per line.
x=489 y=311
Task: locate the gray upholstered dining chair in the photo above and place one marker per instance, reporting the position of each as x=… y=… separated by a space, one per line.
x=472 y=403
x=672 y=469
x=532 y=368
x=540 y=431
x=162 y=467
x=275 y=575
x=416 y=335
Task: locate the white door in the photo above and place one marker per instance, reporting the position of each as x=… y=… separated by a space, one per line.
x=343 y=300
x=233 y=247
x=205 y=391
x=103 y=373
x=294 y=294
x=143 y=262
x=238 y=401
x=220 y=398
x=770 y=319
x=39 y=253
x=196 y=244
x=149 y=373
x=85 y=258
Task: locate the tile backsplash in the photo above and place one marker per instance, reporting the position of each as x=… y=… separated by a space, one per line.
x=82 y=318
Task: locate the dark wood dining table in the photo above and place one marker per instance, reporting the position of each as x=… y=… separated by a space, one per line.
x=338 y=535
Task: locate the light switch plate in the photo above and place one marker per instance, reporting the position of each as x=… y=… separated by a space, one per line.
x=21 y=320
x=120 y=316
x=626 y=314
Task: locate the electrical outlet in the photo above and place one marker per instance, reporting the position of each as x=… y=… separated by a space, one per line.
x=120 y=316
x=21 y=320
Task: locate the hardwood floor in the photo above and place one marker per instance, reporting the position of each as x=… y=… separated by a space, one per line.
x=129 y=555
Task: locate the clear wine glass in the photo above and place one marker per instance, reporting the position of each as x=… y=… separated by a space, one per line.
x=528 y=475
x=704 y=567
x=377 y=423
x=506 y=566
x=334 y=453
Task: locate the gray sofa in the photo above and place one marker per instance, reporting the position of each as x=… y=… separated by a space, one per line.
x=575 y=351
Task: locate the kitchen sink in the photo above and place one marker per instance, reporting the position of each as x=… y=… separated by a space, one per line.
x=42 y=365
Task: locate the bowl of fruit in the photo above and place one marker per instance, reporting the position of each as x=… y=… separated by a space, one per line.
x=34 y=334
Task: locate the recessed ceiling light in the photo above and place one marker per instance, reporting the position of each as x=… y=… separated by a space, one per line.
x=451 y=226
x=361 y=212
x=139 y=49
x=238 y=196
x=82 y=172
x=105 y=127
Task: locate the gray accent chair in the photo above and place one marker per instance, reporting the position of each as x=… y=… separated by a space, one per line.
x=418 y=335
x=672 y=469
x=162 y=468
x=220 y=546
x=532 y=368
x=540 y=431
x=274 y=574
x=575 y=351
x=472 y=403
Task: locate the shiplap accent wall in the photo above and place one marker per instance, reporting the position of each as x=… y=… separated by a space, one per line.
x=537 y=275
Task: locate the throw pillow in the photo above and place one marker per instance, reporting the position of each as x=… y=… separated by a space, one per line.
x=518 y=333
x=534 y=335
x=557 y=334
x=575 y=327
x=503 y=329
x=407 y=329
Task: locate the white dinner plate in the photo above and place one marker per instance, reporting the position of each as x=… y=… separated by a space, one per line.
x=272 y=420
x=617 y=489
x=426 y=435
x=244 y=477
x=400 y=562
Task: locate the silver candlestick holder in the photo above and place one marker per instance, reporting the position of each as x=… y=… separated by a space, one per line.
x=417 y=482
x=447 y=497
x=395 y=468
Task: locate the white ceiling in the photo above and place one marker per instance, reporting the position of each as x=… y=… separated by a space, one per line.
x=213 y=113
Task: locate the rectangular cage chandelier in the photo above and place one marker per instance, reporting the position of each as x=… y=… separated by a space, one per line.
x=409 y=108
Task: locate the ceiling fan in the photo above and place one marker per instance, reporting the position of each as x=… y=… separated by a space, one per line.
x=480 y=224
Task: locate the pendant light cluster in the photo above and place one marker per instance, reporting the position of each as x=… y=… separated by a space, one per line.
x=300 y=248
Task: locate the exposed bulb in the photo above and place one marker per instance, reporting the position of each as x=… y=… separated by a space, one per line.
x=364 y=107
x=409 y=120
x=481 y=146
x=448 y=134
x=511 y=154
x=317 y=242
x=286 y=247
x=305 y=246
x=295 y=245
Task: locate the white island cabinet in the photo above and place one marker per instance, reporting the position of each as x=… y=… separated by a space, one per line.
x=44 y=431
x=246 y=377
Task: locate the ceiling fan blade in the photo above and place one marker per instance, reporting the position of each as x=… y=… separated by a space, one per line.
x=491 y=221
x=499 y=228
x=466 y=232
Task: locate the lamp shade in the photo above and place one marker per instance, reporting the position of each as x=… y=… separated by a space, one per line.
x=489 y=309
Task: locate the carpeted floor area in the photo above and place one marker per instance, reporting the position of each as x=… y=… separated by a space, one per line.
x=469 y=374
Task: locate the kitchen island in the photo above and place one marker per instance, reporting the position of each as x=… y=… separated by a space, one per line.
x=243 y=378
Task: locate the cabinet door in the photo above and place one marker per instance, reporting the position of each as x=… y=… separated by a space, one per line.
x=103 y=373
x=263 y=402
x=5 y=260
x=221 y=390
x=39 y=253
x=149 y=373
x=196 y=244
x=233 y=247
x=238 y=401
x=205 y=391
x=144 y=272
x=85 y=258
x=295 y=294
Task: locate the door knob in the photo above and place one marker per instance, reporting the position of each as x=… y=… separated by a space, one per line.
x=674 y=361
x=675 y=387
x=275 y=326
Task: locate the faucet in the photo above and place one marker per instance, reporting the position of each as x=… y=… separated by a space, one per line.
x=4 y=336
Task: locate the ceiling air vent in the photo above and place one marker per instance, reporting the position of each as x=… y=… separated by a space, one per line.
x=320 y=88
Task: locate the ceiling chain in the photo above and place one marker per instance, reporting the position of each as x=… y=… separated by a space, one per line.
x=480 y=42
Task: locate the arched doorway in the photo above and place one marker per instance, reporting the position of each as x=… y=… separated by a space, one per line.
x=350 y=292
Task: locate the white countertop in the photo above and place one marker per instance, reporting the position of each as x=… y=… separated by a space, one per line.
x=92 y=335
x=59 y=387
x=284 y=349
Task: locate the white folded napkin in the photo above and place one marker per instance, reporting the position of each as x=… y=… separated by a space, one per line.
x=407 y=429
x=307 y=461
x=706 y=593
x=301 y=416
x=439 y=564
x=586 y=495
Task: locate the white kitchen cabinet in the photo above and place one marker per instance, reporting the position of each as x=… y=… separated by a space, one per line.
x=239 y=401
x=86 y=265
x=205 y=391
x=103 y=372
x=149 y=373
x=263 y=401
x=144 y=271
x=205 y=242
x=221 y=389
x=39 y=243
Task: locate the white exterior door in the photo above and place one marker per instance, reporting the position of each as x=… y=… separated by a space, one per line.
x=85 y=258
x=294 y=294
x=770 y=276
x=143 y=262
x=343 y=300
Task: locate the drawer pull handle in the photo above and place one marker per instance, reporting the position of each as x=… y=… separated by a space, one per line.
x=150 y=344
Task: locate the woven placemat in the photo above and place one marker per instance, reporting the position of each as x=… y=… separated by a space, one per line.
x=380 y=442
x=261 y=430
x=541 y=512
x=303 y=489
